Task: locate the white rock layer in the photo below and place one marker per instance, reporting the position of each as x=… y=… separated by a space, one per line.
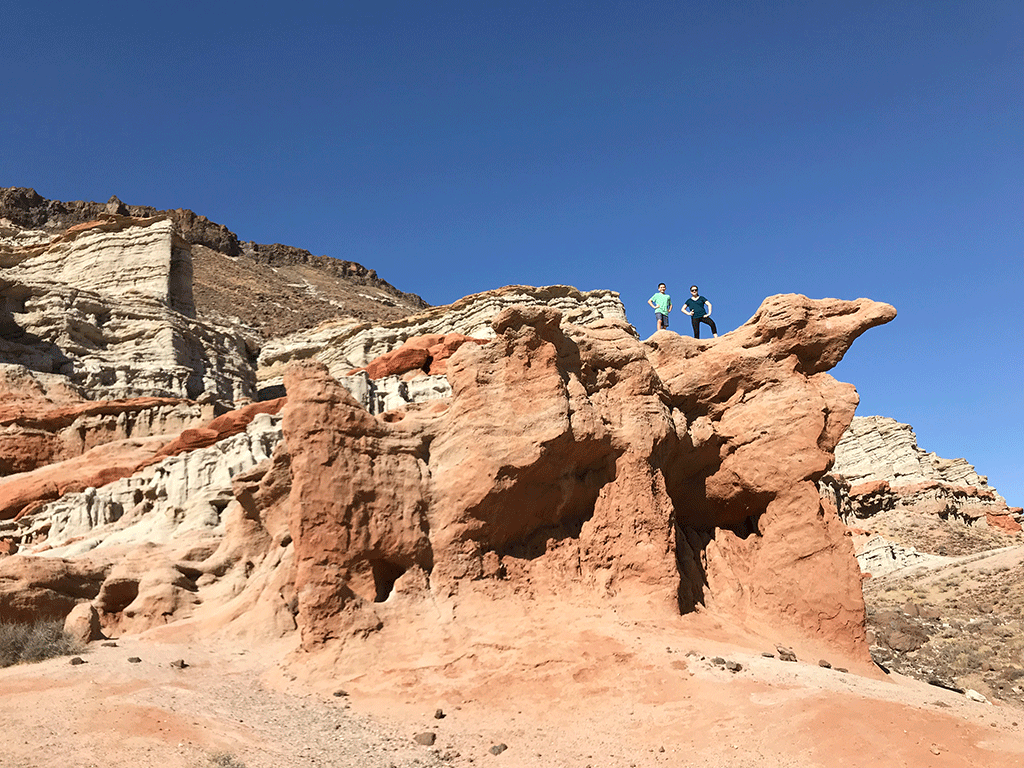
x=879 y=448
x=344 y=346
x=182 y=493
x=111 y=308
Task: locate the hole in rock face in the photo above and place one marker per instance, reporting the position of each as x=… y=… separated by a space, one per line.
x=385 y=574
x=115 y=596
x=549 y=499
x=701 y=516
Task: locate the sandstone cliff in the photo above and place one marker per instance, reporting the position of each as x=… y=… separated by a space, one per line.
x=517 y=445
x=271 y=289
x=670 y=475
x=109 y=306
x=879 y=468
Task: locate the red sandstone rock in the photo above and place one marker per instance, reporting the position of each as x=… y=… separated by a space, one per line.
x=1004 y=522
x=358 y=497
x=35 y=417
x=224 y=426
x=83 y=623
x=679 y=472
x=428 y=353
x=35 y=588
x=103 y=464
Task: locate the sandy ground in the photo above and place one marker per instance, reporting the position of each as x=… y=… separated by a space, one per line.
x=598 y=692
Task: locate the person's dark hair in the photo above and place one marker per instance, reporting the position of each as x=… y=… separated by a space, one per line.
x=695 y=288
x=661 y=284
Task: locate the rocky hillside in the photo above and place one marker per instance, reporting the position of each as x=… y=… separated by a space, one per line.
x=271 y=290
x=943 y=554
x=494 y=496
x=440 y=487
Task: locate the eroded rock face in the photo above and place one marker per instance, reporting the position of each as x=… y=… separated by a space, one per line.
x=271 y=290
x=566 y=456
x=679 y=470
x=879 y=468
x=25 y=496
x=109 y=305
x=43 y=420
x=344 y=346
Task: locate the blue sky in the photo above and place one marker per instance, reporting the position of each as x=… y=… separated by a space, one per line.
x=838 y=149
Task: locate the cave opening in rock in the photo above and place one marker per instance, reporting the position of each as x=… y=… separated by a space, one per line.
x=116 y=595
x=385 y=574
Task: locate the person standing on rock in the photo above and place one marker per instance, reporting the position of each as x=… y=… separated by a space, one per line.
x=695 y=308
x=662 y=304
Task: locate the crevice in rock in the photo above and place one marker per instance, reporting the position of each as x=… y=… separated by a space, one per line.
x=536 y=544
x=385 y=574
x=691 y=544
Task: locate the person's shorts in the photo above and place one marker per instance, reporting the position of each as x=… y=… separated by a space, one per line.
x=663 y=318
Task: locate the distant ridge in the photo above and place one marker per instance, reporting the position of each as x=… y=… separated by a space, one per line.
x=273 y=289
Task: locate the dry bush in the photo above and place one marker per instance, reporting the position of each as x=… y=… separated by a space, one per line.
x=23 y=643
x=225 y=760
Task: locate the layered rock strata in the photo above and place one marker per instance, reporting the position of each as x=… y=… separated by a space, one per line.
x=271 y=289
x=23 y=494
x=880 y=468
x=183 y=492
x=678 y=473
x=569 y=459
x=344 y=346
x=108 y=306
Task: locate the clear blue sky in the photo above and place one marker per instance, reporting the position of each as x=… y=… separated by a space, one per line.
x=839 y=149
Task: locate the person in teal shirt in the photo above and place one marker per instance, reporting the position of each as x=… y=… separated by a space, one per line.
x=699 y=310
x=662 y=304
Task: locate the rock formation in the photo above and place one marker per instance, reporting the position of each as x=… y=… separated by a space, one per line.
x=267 y=290
x=674 y=473
x=109 y=306
x=518 y=444
x=880 y=468
x=344 y=346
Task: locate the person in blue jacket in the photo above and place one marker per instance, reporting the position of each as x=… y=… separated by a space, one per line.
x=662 y=304
x=699 y=310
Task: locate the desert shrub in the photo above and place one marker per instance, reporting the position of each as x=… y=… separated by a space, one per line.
x=225 y=760
x=22 y=643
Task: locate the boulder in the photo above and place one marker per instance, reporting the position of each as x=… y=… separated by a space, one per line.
x=83 y=623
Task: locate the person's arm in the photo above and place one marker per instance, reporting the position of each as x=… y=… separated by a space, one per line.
x=709 y=308
x=686 y=310
x=651 y=302
x=669 y=308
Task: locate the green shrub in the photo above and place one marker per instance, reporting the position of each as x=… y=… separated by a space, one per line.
x=23 y=643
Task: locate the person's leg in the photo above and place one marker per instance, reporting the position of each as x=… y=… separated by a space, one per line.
x=661 y=320
x=709 y=321
x=695 y=322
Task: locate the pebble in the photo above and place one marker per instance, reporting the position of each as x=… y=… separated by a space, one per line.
x=426 y=738
x=497 y=749
x=134 y=659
